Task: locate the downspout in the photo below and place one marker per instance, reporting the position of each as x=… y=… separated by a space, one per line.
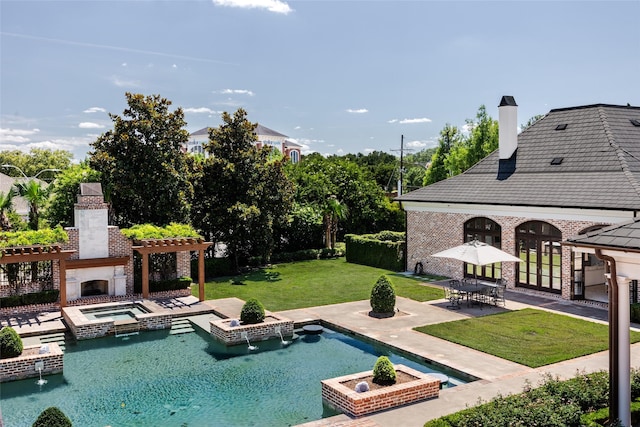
x=614 y=397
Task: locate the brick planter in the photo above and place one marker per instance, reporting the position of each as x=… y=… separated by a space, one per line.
x=23 y=366
x=355 y=404
x=232 y=335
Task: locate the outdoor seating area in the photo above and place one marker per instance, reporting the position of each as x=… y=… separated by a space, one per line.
x=474 y=292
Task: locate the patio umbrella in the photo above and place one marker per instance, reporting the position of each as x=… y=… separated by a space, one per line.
x=477 y=253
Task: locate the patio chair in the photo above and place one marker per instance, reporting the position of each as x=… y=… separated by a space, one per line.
x=453 y=296
x=497 y=294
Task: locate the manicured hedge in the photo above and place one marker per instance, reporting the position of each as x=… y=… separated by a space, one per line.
x=553 y=403
x=213 y=267
x=382 y=250
x=42 y=297
x=165 y=285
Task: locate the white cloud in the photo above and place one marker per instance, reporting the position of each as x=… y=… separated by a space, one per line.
x=297 y=127
x=95 y=110
x=237 y=92
x=358 y=111
x=339 y=151
x=304 y=145
x=412 y=121
x=174 y=66
x=417 y=144
x=275 y=6
x=392 y=121
x=200 y=110
x=117 y=81
x=369 y=150
x=16 y=136
x=90 y=125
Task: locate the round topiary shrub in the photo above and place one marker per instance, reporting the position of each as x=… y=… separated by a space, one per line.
x=10 y=343
x=52 y=417
x=383 y=372
x=252 y=312
x=383 y=296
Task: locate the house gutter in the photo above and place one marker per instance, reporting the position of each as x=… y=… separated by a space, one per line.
x=619 y=397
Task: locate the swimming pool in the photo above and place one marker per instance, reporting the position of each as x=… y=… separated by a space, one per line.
x=192 y=380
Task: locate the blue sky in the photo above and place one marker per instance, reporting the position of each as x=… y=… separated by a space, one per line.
x=336 y=76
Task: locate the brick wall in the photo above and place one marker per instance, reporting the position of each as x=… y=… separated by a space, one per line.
x=231 y=335
x=23 y=366
x=357 y=404
x=431 y=232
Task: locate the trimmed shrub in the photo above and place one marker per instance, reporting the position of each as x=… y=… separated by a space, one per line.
x=10 y=343
x=52 y=417
x=383 y=296
x=383 y=250
x=252 y=312
x=383 y=371
x=41 y=297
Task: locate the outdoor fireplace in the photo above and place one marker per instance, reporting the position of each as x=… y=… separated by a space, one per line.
x=94 y=287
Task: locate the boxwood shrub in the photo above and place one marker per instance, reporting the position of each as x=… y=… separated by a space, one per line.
x=42 y=297
x=10 y=343
x=252 y=312
x=383 y=371
x=52 y=417
x=383 y=296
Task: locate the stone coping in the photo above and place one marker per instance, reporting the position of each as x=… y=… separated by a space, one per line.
x=357 y=404
x=78 y=318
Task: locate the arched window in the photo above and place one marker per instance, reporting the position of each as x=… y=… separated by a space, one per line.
x=295 y=156
x=538 y=246
x=488 y=231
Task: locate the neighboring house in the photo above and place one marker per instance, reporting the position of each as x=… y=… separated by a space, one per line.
x=265 y=136
x=20 y=205
x=574 y=171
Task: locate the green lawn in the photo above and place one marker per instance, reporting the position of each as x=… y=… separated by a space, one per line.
x=313 y=283
x=530 y=337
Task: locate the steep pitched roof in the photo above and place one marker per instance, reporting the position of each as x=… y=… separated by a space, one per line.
x=625 y=236
x=597 y=165
x=259 y=130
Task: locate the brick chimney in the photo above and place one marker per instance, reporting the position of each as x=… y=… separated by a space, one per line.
x=508 y=127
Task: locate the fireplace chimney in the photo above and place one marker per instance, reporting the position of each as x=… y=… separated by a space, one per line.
x=508 y=127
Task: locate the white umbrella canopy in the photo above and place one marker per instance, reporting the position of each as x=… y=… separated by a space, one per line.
x=477 y=253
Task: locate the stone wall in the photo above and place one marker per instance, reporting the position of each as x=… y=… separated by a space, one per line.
x=23 y=366
x=431 y=232
x=358 y=404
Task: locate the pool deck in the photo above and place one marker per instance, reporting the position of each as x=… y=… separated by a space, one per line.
x=496 y=376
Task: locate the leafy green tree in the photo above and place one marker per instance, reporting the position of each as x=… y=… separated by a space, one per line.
x=142 y=163
x=64 y=193
x=531 y=121
x=36 y=195
x=382 y=167
x=450 y=137
x=242 y=194
x=52 y=417
x=333 y=211
x=6 y=206
x=483 y=139
x=36 y=162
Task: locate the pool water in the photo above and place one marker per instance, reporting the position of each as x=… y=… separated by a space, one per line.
x=115 y=313
x=158 y=379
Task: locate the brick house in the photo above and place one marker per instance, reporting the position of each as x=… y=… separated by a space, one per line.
x=266 y=136
x=573 y=171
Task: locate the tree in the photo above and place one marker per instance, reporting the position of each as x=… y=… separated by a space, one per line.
x=531 y=122
x=37 y=161
x=484 y=136
x=333 y=211
x=6 y=206
x=241 y=193
x=52 y=417
x=36 y=196
x=64 y=193
x=450 y=136
x=142 y=163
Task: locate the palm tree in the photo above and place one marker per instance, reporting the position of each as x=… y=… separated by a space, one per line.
x=332 y=212
x=6 y=205
x=36 y=195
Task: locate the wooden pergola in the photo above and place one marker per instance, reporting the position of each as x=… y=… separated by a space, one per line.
x=16 y=255
x=152 y=246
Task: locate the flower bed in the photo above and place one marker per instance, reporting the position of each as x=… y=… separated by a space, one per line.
x=413 y=387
